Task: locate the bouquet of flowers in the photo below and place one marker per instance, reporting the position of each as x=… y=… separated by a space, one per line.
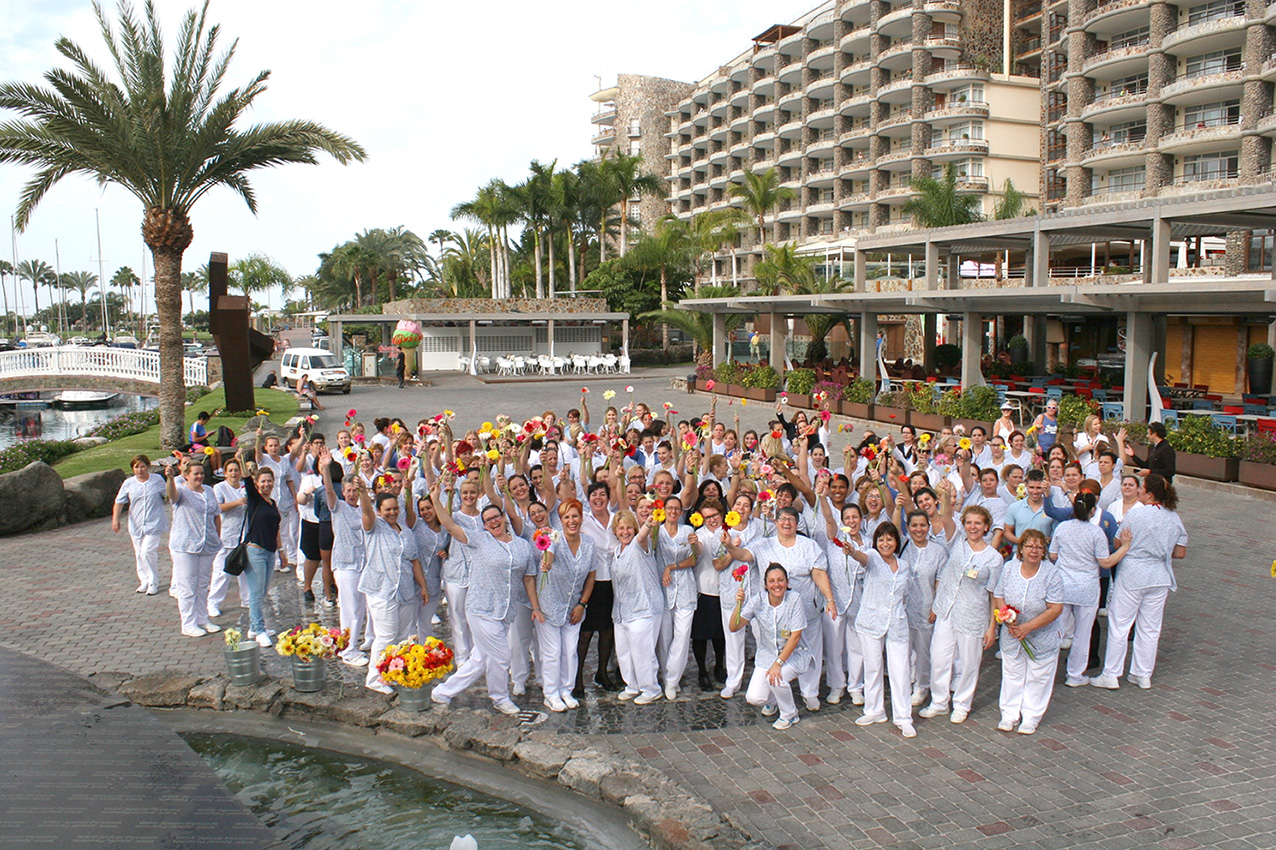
x=1008 y=615
x=416 y=662
x=312 y=642
x=233 y=639
x=544 y=539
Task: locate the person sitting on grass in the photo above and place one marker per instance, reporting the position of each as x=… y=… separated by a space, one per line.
x=199 y=441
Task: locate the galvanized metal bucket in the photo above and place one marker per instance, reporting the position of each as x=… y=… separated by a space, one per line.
x=413 y=699
x=308 y=676
x=244 y=664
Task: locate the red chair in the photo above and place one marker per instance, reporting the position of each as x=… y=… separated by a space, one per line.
x=1037 y=390
x=1233 y=410
x=1267 y=425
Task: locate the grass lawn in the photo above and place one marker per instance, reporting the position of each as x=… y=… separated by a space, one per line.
x=282 y=407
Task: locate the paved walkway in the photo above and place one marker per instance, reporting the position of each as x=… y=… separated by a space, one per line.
x=1188 y=764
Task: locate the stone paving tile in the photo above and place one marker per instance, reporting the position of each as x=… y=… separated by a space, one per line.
x=1190 y=761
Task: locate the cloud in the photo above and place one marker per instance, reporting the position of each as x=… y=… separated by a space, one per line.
x=443 y=96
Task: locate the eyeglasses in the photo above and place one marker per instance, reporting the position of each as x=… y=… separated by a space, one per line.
x=709 y=516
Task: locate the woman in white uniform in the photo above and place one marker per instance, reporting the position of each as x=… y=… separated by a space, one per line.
x=637 y=607
x=233 y=498
x=745 y=531
x=843 y=656
x=565 y=581
x=1143 y=583
x=456 y=570
x=391 y=579
x=147 y=520
x=193 y=543
x=677 y=557
x=780 y=617
x=882 y=626
x=347 y=557
x=925 y=556
x=963 y=616
x=1032 y=586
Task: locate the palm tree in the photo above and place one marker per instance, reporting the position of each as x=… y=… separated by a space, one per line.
x=534 y=198
x=81 y=282
x=6 y=270
x=395 y=253
x=625 y=174
x=705 y=234
x=258 y=273
x=162 y=132
x=940 y=204
x=125 y=279
x=566 y=214
x=462 y=264
x=194 y=282
x=494 y=208
x=668 y=247
x=38 y=272
x=698 y=326
x=782 y=269
x=760 y=194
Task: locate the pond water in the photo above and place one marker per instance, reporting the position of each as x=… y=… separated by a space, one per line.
x=315 y=799
x=52 y=423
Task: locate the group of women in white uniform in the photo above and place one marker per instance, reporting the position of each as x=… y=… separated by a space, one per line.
x=892 y=567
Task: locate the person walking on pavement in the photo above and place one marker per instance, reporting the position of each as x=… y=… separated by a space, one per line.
x=401 y=367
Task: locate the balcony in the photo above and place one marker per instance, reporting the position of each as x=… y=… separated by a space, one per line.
x=1198 y=136
x=819 y=53
x=791 y=157
x=972 y=183
x=789 y=212
x=1127 y=99
x=792 y=128
x=1207 y=36
x=823 y=146
x=897 y=56
x=1268 y=71
x=951 y=110
x=719 y=157
x=1115 y=153
x=857 y=167
x=1204 y=87
x=604 y=137
x=856 y=104
x=791 y=74
x=894 y=156
x=822 y=116
x=856 y=41
x=792 y=101
x=824 y=175
x=1266 y=125
x=765 y=139
x=1186 y=184
x=858 y=72
x=956 y=148
x=896 y=21
x=604 y=116
x=765 y=58
x=952 y=77
x=857 y=200
x=822 y=88
x=764 y=85
x=896 y=190
x=900 y=86
x=1113 y=195
x=1117 y=62
x=821 y=208
x=944 y=9
x=1115 y=16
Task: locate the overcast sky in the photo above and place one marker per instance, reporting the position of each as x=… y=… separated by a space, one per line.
x=442 y=95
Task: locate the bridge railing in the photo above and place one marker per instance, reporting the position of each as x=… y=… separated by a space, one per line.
x=101 y=361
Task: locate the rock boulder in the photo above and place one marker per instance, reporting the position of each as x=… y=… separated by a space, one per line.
x=33 y=495
x=92 y=494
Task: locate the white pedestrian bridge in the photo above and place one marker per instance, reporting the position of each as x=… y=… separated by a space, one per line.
x=96 y=367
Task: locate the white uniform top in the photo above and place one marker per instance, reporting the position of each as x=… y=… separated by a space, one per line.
x=603 y=540
x=1079 y=545
x=233 y=519
x=882 y=607
x=195 y=521
x=682 y=589
x=1149 y=560
x=710 y=548
x=284 y=471
x=347 y=537
x=312 y=484
x=635 y=584
x=145 y=500
x=800 y=560
x=775 y=625
x=1030 y=596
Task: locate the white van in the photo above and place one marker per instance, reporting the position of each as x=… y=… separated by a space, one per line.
x=323 y=367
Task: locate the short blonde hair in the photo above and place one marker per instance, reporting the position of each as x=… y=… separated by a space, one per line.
x=624 y=516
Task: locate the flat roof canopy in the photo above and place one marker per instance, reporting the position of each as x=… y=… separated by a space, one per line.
x=466 y=318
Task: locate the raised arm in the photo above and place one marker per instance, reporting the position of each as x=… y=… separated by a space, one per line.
x=325 y=471
x=170 y=484
x=445 y=517
x=365 y=505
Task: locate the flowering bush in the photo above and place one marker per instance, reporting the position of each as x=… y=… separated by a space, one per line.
x=28 y=451
x=858 y=391
x=126 y=425
x=1260 y=447
x=312 y=642
x=704 y=371
x=413 y=664
x=727 y=372
x=800 y=381
x=1200 y=435
x=922 y=398
x=761 y=378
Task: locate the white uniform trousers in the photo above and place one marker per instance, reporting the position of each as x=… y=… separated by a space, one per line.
x=675 y=643
x=390 y=624
x=423 y=617
x=920 y=640
x=523 y=644
x=191 y=577
x=809 y=679
x=489 y=659
x=735 y=652
x=843 y=657
x=896 y=651
x=353 y=611
x=1026 y=685
x=556 y=661
x=146 y=558
x=946 y=645
x=219 y=585
x=1125 y=608
x=462 y=640
x=1080 y=620
x=761 y=692
x=290 y=536
x=636 y=654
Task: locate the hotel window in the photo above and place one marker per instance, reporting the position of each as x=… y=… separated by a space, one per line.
x=1211 y=166
x=1131 y=179
x=1217 y=62
x=1215 y=11
x=1216 y=114
x=1129 y=38
x=967 y=93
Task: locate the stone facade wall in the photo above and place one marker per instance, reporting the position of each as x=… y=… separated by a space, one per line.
x=646 y=100
x=468 y=306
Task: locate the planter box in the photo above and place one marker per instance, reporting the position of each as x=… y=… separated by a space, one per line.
x=855 y=409
x=927 y=421
x=971 y=423
x=757 y=395
x=799 y=400
x=896 y=416
x=1213 y=468
x=1261 y=475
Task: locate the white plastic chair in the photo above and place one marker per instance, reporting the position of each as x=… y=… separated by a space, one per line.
x=594 y=364
x=520 y=365
x=484 y=363
x=463 y=363
x=624 y=363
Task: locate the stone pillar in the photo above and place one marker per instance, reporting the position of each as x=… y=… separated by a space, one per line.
x=932 y=265
x=953 y=281
x=1156 y=265
x=334 y=340
x=779 y=341
x=1138 y=348
x=1037 y=268
x=861 y=270
x=720 y=336
x=868 y=346
x=972 y=349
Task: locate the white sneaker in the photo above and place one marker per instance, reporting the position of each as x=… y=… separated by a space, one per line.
x=1006 y=725
x=1027 y=729
x=919 y=696
x=380 y=688
x=211 y=628
x=141 y=588
x=439 y=699
x=627 y=694
x=507 y=707
x=1103 y=612
x=671 y=693
x=907 y=730
x=213 y=610
x=783 y=724
x=555 y=704
x=569 y=701
x=359 y=660
x=152 y=590
x=1141 y=681
x=727 y=692
x=263 y=640
x=519 y=690
x=933 y=710
x=194 y=631
x=857 y=697
x=646 y=699
x=1065 y=644
x=172 y=591
x=252 y=634
x=812 y=703
x=769 y=710
x=835 y=696
x=869 y=720
x=958 y=716
x=1078 y=682
x=1105 y=681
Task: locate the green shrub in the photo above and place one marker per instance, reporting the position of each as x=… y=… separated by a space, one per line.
x=1260 y=351
x=1018 y=341
x=950 y=402
x=980 y=403
x=896 y=398
x=194 y=394
x=126 y=425
x=947 y=355
x=761 y=378
x=858 y=391
x=800 y=381
x=1200 y=435
x=50 y=451
x=727 y=372
x=1260 y=447
x=1073 y=409
x=922 y=397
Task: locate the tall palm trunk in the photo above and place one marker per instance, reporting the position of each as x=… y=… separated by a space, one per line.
x=571 y=258
x=602 y=240
x=491 y=260
x=84 y=310
x=168 y=307
x=553 y=284
x=624 y=226
x=536 y=250
x=664 y=299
